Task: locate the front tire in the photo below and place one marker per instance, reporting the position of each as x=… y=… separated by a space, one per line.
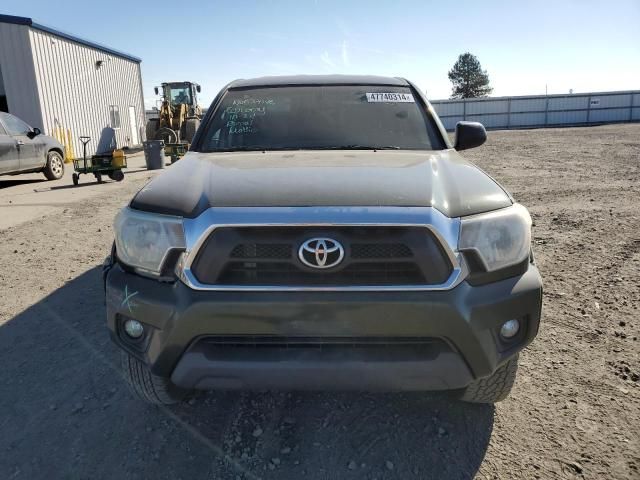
x=191 y=126
x=495 y=387
x=54 y=169
x=167 y=135
x=116 y=175
x=147 y=386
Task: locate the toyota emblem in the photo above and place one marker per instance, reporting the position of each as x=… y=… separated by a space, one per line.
x=321 y=253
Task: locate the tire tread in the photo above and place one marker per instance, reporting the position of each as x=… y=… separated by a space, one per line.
x=48 y=173
x=191 y=127
x=494 y=388
x=149 y=387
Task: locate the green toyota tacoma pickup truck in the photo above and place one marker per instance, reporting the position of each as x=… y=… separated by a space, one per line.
x=323 y=233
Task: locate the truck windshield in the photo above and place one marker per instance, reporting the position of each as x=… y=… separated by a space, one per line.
x=321 y=117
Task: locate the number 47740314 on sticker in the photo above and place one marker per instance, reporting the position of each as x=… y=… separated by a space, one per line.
x=389 y=97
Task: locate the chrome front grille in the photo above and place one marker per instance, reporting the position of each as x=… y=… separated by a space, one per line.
x=267 y=256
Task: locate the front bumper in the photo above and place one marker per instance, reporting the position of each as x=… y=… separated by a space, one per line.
x=209 y=339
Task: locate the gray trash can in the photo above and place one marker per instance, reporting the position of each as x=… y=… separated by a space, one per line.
x=154 y=154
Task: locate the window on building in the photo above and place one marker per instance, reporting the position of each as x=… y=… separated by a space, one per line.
x=114 y=115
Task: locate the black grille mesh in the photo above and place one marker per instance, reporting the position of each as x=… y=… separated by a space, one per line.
x=261 y=250
x=380 y=250
x=276 y=273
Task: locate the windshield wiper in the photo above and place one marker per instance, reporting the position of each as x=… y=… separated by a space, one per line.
x=261 y=148
x=352 y=147
x=242 y=148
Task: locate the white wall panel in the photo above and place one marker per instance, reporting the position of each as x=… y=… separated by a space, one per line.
x=610 y=101
x=526 y=119
x=453 y=108
x=531 y=111
x=568 y=103
x=555 y=118
x=490 y=121
x=487 y=106
x=609 y=115
x=528 y=105
x=76 y=93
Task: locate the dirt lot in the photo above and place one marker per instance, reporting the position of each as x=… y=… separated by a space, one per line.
x=574 y=412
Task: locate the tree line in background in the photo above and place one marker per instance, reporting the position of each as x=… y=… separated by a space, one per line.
x=468 y=78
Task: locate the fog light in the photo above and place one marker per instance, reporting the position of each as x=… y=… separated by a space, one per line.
x=510 y=328
x=133 y=328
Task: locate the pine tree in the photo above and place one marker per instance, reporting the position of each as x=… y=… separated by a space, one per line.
x=468 y=78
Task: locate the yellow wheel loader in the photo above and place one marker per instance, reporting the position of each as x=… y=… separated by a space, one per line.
x=179 y=117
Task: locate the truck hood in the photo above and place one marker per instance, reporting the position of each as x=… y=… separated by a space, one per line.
x=439 y=179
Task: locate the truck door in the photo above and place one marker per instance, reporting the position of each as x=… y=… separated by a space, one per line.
x=29 y=149
x=8 y=152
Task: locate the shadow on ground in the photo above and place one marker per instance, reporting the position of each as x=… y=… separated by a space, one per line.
x=89 y=181
x=66 y=413
x=6 y=183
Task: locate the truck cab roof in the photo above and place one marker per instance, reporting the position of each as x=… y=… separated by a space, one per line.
x=285 y=80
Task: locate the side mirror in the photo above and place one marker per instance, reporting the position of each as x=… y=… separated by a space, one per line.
x=469 y=135
x=155 y=89
x=198 y=88
x=35 y=131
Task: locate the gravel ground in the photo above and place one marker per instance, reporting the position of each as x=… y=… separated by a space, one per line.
x=574 y=411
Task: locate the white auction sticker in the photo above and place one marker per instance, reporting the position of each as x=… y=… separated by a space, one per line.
x=389 y=97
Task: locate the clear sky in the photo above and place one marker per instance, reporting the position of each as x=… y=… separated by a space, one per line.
x=523 y=45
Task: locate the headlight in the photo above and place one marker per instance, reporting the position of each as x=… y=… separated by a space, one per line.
x=501 y=238
x=144 y=239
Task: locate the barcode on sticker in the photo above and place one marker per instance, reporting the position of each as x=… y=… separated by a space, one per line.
x=389 y=97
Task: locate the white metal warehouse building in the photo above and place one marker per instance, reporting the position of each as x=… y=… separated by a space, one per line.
x=69 y=87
